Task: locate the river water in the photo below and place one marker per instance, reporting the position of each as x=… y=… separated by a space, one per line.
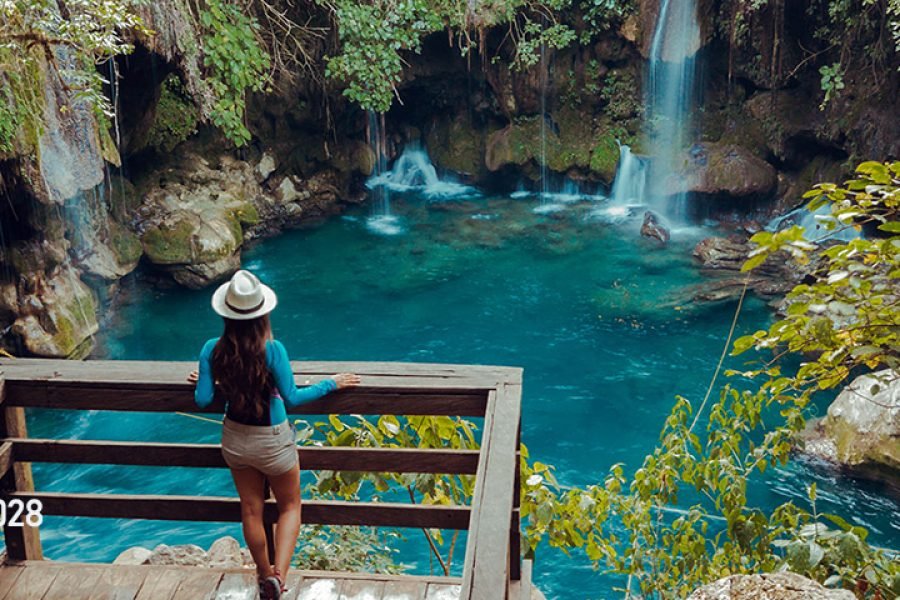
x=597 y=317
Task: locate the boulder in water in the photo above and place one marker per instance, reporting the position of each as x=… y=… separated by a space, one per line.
x=652 y=228
x=862 y=427
x=768 y=586
x=727 y=170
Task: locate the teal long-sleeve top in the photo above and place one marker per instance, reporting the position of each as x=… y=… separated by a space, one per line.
x=279 y=366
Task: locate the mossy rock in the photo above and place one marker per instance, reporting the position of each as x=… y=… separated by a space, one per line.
x=605 y=157
x=454 y=143
x=247 y=215
x=569 y=141
x=170 y=243
x=125 y=245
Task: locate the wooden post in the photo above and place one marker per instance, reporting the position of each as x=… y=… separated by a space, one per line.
x=515 y=536
x=22 y=543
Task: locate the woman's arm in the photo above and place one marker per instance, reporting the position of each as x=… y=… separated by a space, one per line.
x=203 y=393
x=284 y=380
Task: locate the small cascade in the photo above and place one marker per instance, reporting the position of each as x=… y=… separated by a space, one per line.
x=413 y=172
x=381 y=220
x=629 y=187
x=813 y=223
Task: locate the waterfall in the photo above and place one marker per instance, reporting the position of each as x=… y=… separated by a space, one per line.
x=413 y=172
x=669 y=100
x=668 y=97
x=543 y=73
x=630 y=183
x=381 y=220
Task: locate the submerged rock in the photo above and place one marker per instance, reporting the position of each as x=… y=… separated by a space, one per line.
x=861 y=431
x=652 y=228
x=722 y=259
x=768 y=586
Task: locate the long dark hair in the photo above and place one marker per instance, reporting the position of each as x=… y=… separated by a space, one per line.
x=239 y=365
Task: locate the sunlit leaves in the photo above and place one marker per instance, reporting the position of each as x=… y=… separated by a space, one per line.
x=236 y=63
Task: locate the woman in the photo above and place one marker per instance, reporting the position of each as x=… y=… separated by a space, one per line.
x=250 y=372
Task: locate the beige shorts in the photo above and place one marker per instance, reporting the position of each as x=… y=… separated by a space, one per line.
x=270 y=449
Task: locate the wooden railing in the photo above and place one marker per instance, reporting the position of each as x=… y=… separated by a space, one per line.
x=492 y=568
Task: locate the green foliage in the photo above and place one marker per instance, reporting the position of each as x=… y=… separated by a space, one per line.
x=354 y=549
x=236 y=63
x=602 y=15
x=832 y=81
x=176 y=116
x=89 y=33
x=372 y=35
x=375 y=34
x=389 y=431
x=621 y=94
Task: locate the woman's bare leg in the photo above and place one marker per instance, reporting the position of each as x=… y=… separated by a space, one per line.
x=286 y=488
x=250 y=485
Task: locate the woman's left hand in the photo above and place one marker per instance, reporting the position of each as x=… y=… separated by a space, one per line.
x=193 y=377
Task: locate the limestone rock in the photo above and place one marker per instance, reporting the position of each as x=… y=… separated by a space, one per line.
x=225 y=553
x=768 y=586
x=864 y=421
x=187 y=555
x=133 y=556
x=727 y=170
x=57 y=315
x=722 y=258
x=286 y=192
x=265 y=166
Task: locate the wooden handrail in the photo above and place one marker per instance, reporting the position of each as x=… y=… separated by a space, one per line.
x=492 y=550
x=312 y=458
x=228 y=509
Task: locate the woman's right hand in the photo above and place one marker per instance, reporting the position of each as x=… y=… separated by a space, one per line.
x=345 y=380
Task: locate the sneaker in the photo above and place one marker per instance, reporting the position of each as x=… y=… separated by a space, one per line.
x=270 y=588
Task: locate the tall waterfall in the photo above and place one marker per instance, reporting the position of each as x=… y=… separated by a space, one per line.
x=669 y=96
x=381 y=220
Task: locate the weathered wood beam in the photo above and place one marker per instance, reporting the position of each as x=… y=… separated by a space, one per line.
x=225 y=509
x=382 y=460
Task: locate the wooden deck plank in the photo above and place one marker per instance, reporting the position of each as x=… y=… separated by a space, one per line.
x=108 y=452
x=404 y=590
x=160 y=583
x=238 y=586
x=8 y=576
x=121 y=583
x=360 y=589
x=293 y=581
x=319 y=589
x=439 y=591
x=73 y=583
x=32 y=584
x=198 y=584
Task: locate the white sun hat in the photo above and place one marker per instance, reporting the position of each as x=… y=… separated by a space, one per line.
x=244 y=297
